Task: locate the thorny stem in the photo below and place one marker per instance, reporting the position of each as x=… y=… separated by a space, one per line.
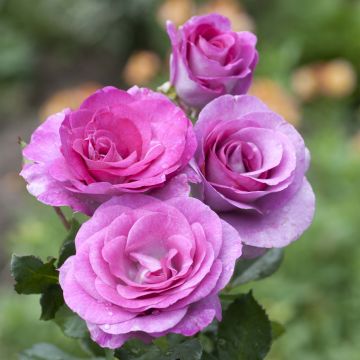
x=62 y=218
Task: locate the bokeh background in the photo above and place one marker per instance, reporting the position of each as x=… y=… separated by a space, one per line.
x=53 y=53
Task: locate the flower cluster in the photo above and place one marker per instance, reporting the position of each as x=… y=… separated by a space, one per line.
x=152 y=259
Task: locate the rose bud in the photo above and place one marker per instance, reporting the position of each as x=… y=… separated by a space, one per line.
x=209 y=59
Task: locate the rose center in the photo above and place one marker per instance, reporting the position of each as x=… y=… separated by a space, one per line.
x=102 y=148
x=243 y=157
x=154 y=269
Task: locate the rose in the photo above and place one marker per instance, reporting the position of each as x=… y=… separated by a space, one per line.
x=209 y=60
x=145 y=267
x=116 y=142
x=252 y=165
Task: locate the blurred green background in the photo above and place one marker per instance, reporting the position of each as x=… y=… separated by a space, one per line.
x=54 y=52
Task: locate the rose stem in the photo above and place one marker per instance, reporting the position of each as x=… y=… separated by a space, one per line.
x=62 y=218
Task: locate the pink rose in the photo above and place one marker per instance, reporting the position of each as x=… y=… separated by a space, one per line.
x=144 y=268
x=252 y=165
x=116 y=142
x=209 y=60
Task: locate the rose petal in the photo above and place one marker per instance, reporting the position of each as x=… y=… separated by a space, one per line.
x=279 y=227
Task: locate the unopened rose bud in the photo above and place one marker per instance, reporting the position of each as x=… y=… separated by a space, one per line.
x=277 y=98
x=141 y=68
x=209 y=59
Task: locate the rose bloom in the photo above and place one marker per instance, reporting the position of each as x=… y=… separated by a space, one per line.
x=252 y=165
x=209 y=60
x=116 y=142
x=144 y=268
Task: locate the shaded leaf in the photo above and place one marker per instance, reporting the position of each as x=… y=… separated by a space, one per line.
x=245 y=332
x=70 y=323
x=254 y=269
x=91 y=347
x=162 y=343
x=206 y=342
x=207 y=356
x=68 y=247
x=50 y=301
x=188 y=350
x=136 y=350
x=32 y=276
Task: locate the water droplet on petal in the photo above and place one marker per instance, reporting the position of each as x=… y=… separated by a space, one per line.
x=106 y=326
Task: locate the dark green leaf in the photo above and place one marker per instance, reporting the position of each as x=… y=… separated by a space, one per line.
x=32 y=276
x=254 y=269
x=91 y=347
x=70 y=323
x=245 y=332
x=277 y=330
x=135 y=350
x=68 y=247
x=206 y=342
x=207 y=356
x=44 y=351
x=162 y=343
x=188 y=350
x=50 y=301
x=175 y=339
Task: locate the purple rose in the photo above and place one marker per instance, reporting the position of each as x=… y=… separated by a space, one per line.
x=116 y=142
x=145 y=267
x=209 y=60
x=252 y=165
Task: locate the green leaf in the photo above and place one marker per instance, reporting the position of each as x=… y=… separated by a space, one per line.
x=32 y=276
x=91 y=347
x=68 y=247
x=70 y=323
x=162 y=343
x=44 y=351
x=206 y=342
x=188 y=350
x=50 y=301
x=135 y=350
x=254 y=269
x=245 y=332
x=277 y=330
x=207 y=356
